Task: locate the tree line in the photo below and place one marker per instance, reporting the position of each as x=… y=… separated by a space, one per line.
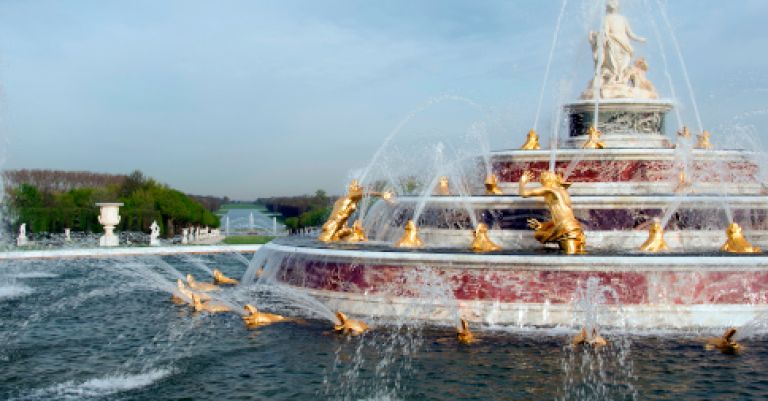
x=51 y=200
x=300 y=211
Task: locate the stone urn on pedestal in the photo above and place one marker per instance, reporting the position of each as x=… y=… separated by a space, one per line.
x=109 y=217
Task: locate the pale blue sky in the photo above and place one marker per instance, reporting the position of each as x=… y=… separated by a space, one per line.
x=255 y=98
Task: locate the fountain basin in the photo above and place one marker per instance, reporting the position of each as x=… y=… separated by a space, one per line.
x=650 y=291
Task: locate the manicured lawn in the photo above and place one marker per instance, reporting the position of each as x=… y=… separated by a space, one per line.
x=248 y=239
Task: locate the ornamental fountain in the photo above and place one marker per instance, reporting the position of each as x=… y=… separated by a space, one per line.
x=619 y=205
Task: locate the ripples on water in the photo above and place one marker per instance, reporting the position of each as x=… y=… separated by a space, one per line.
x=82 y=329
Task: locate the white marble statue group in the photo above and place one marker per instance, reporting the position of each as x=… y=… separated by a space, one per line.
x=616 y=76
x=191 y=234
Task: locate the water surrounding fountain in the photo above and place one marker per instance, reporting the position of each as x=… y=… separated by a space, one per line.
x=106 y=329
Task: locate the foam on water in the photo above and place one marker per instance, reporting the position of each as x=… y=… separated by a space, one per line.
x=100 y=387
x=10 y=291
x=34 y=275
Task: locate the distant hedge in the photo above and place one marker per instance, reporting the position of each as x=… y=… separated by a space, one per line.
x=145 y=201
x=300 y=211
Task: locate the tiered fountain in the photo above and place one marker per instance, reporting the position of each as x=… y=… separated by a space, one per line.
x=657 y=220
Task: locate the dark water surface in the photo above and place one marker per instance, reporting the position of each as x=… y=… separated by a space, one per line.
x=97 y=329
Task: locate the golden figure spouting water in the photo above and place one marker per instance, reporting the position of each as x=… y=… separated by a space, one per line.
x=593 y=139
x=655 y=241
x=254 y=318
x=183 y=291
x=684 y=132
x=683 y=182
x=349 y=326
x=464 y=334
x=595 y=339
x=335 y=228
x=532 y=141
x=736 y=242
x=186 y=292
x=564 y=229
x=724 y=344
x=443 y=187
x=221 y=279
x=703 y=141
x=481 y=241
x=209 y=306
x=358 y=233
x=410 y=238
x=492 y=185
x=198 y=286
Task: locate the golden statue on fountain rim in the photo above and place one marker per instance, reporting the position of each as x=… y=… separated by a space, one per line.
x=443 y=187
x=349 y=326
x=358 y=233
x=410 y=238
x=564 y=229
x=725 y=344
x=532 y=141
x=483 y=243
x=256 y=318
x=736 y=242
x=492 y=185
x=464 y=334
x=703 y=141
x=593 y=139
x=655 y=241
x=220 y=279
x=335 y=228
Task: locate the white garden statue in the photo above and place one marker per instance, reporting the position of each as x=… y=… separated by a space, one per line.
x=185 y=235
x=67 y=237
x=22 y=240
x=154 y=234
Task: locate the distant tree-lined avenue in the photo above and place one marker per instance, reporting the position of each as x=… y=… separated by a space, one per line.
x=51 y=200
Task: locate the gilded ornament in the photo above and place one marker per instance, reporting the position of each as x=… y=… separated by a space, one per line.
x=736 y=242
x=563 y=229
x=593 y=139
x=724 y=344
x=410 y=238
x=492 y=185
x=655 y=241
x=254 y=318
x=532 y=141
x=220 y=279
x=335 y=228
x=349 y=326
x=703 y=141
x=464 y=334
x=481 y=241
x=443 y=188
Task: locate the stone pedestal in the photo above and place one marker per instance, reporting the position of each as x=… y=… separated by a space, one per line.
x=185 y=235
x=109 y=217
x=624 y=123
x=67 y=237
